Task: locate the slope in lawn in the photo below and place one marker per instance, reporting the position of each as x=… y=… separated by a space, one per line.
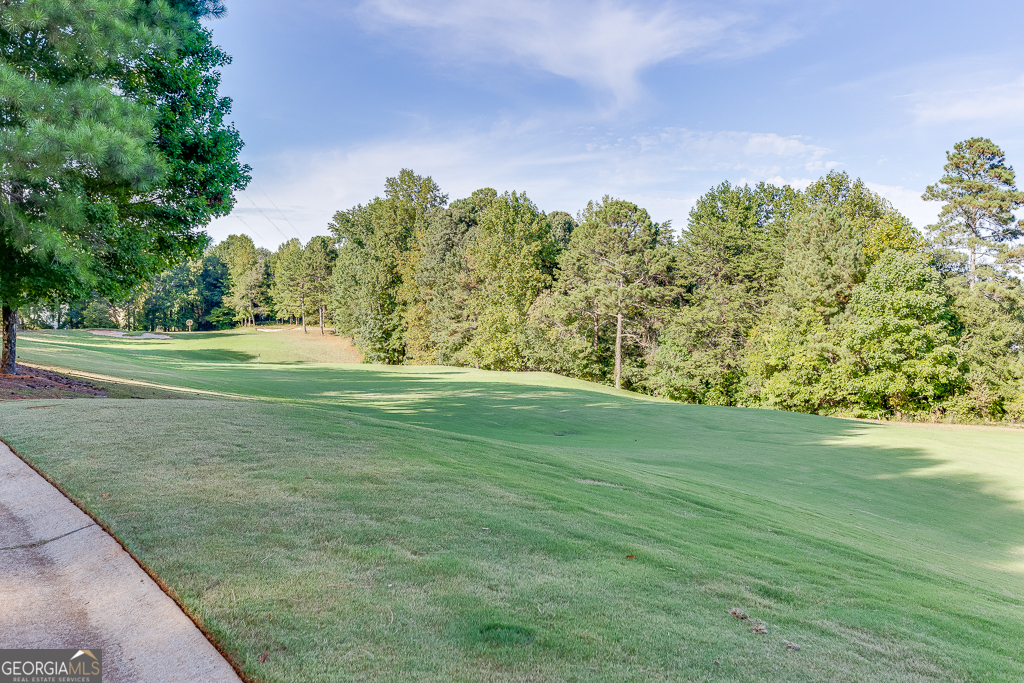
x=437 y=523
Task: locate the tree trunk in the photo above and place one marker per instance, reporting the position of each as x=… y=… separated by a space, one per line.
x=8 y=360
x=321 y=320
x=618 y=350
x=970 y=279
x=302 y=302
x=596 y=321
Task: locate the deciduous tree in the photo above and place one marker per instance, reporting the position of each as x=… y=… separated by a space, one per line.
x=374 y=283
x=511 y=259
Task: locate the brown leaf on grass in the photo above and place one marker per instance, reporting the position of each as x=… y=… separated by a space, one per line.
x=106 y=495
x=264 y=656
x=739 y=614
x=630 y=557
x=759 y=627
x=791 y=646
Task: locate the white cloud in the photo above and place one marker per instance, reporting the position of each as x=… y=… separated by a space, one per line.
x=772 y=143
x=908 y=202
x=603 y=44
x=664 y=170
x=978 y=98
x=794 y=182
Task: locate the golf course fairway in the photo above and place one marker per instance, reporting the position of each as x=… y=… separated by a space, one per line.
x=330 y=521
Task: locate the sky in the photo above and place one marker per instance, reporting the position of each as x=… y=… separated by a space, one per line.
x=568 y=101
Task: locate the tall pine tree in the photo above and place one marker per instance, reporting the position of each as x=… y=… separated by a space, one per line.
x=113 y=150
x=979 y=196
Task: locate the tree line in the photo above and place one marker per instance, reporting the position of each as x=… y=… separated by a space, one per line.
x=234 y=283
x=823 y=300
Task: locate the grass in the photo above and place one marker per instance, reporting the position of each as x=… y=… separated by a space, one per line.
x=354 y=522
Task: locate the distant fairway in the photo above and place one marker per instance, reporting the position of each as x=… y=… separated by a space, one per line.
x=346 y=521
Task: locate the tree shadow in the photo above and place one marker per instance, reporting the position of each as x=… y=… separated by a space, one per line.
x=937 y=491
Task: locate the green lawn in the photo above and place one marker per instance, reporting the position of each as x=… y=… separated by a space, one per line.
x=353 y=522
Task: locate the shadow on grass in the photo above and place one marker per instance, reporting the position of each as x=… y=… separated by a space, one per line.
x=902 y=478
x=846 y=531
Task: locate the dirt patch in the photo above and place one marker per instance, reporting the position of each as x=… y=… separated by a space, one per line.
x=35 y=383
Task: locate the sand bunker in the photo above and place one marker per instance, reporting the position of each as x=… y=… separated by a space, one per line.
x=124 y=335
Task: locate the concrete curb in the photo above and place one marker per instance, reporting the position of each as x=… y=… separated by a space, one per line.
x=67 y=583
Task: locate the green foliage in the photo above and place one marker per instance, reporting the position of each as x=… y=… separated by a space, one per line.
x=619 y=266
x=71 y=147
x=857 y=204
x=892 y=232
x=221 y=318
x=791 y=351
x=562 y=226
x=729 y=259
x=190 y=291
x=113 y=150
x=249 y=293
x=445 y=280
x=318 y=263
x=899 y=351
x=990 y=330
x=510 y=261
x=826 y=300
x=302 y=278
x=200 y=149
x=374 y=279
x=237 y=253
x=288 y=286
x=98 y=314
x=840 y=339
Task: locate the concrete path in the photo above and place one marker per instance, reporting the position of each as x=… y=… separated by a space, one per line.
x=66 y=583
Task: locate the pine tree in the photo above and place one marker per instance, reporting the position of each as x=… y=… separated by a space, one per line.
x=618 y=266
x=729 y=259
x=286 y=306
x=113 y=151
x=319 y=257
x=979 y=197
x=791 y=354
x=445 y=279
x=294 y=280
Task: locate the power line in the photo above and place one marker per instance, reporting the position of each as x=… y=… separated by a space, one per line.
x=278 y=209
x=262 y=239
x=266 y=216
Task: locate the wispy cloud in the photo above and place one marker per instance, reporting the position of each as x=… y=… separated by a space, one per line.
x=908 y=202
x=665 y=170
x=603 y=44
x=999 y=101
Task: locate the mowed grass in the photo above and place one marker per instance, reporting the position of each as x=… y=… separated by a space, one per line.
x=355 y=522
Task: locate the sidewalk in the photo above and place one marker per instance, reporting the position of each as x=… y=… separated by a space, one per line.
x=66 y=583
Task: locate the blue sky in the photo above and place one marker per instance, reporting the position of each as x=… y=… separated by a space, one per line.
x=654 y=102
